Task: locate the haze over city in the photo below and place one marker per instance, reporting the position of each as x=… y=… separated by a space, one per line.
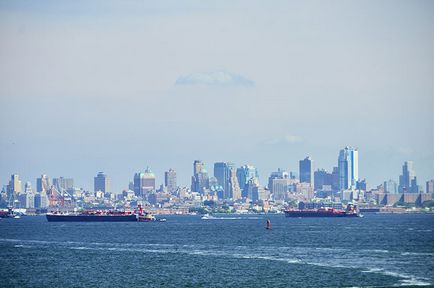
x=118 y=86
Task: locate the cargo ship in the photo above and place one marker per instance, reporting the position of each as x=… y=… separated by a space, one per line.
x=351 y=211
x=102 y=216
x=93 y=216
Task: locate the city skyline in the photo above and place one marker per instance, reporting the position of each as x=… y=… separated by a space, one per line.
x=223 y=175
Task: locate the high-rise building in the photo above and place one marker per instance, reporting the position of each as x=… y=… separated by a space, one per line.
x=144 y=182
x=149 y=180
x=251 y=188
x=390 y=186
x=101 y=183
x=14 y=187
x=244 y=174
x=200 y=178
x=322 y=178
x=197 y=166
x=306 y=171
x=279 y=174
x=430 y=186
x=335 y=179
x=408 y=181
x=170 y=180
x=62 y=183
x=362 y=185
x=348 y=166
x=235 y=191
x=27 y=199
x=222 y=171
x=305 y=190
x=280 y=188
x=43 y=183
x=41 y=200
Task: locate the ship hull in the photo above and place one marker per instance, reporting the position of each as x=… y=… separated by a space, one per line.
x=297 y=214
x=91 y=218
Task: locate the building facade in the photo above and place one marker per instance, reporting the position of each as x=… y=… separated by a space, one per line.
x=390 y=186
x=430 y=186
x=408 y=181
x=348 y=166
x=222 y=172
x=101 y=183
x=170 y=180
x=306 y=171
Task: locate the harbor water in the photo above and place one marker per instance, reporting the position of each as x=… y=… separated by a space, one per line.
x=233 y=251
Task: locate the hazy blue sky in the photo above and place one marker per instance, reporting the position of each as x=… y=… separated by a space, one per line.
x=115 y=86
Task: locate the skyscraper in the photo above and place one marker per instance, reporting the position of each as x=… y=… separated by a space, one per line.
x=429 y=186
x=279 y=174
x=149 y=180
x=27 y=199
x=335 y=179
x=14 y=187
x=222 y=171
x=43 y=183
x=322 y=178
x=200 y=178
x=390 y=187
x=138 y=190
x=235 y=191
x=197 y=166
x=280 y=188
x=306 y=171
x=101 y=183
x=348 y=166
x=251 y=188
x=62 y=183
x=408 y=181
x=144 y=182
x=245 y=173
x=170 y=180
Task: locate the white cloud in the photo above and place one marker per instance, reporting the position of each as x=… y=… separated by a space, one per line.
x=286 y=139
x=216 y=78
x=293 y=139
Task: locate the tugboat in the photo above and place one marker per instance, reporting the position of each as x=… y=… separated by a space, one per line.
x=9 y=213
x=145 y=216
x=351 y=211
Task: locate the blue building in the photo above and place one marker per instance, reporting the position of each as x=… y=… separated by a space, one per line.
x=348 y=166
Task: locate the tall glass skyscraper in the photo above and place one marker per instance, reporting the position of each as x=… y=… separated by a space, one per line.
x=222 y=171
x=306 y=171
x=407 y=181
x=200 y=178
x=348 y=166
x=245 y=173
x=101 y=182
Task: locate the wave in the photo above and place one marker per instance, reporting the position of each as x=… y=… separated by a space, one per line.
x=315 y=256
x=417 y=254
x=405 y=280
x=375 y=250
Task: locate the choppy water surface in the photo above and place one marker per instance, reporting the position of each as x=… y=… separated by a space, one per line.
x=185 y=251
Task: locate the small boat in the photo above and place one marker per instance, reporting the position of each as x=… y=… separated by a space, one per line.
x=10 y=213
x=207 y=217
x=145 y=216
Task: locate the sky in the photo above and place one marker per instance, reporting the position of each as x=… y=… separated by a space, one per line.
x=116 y=86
